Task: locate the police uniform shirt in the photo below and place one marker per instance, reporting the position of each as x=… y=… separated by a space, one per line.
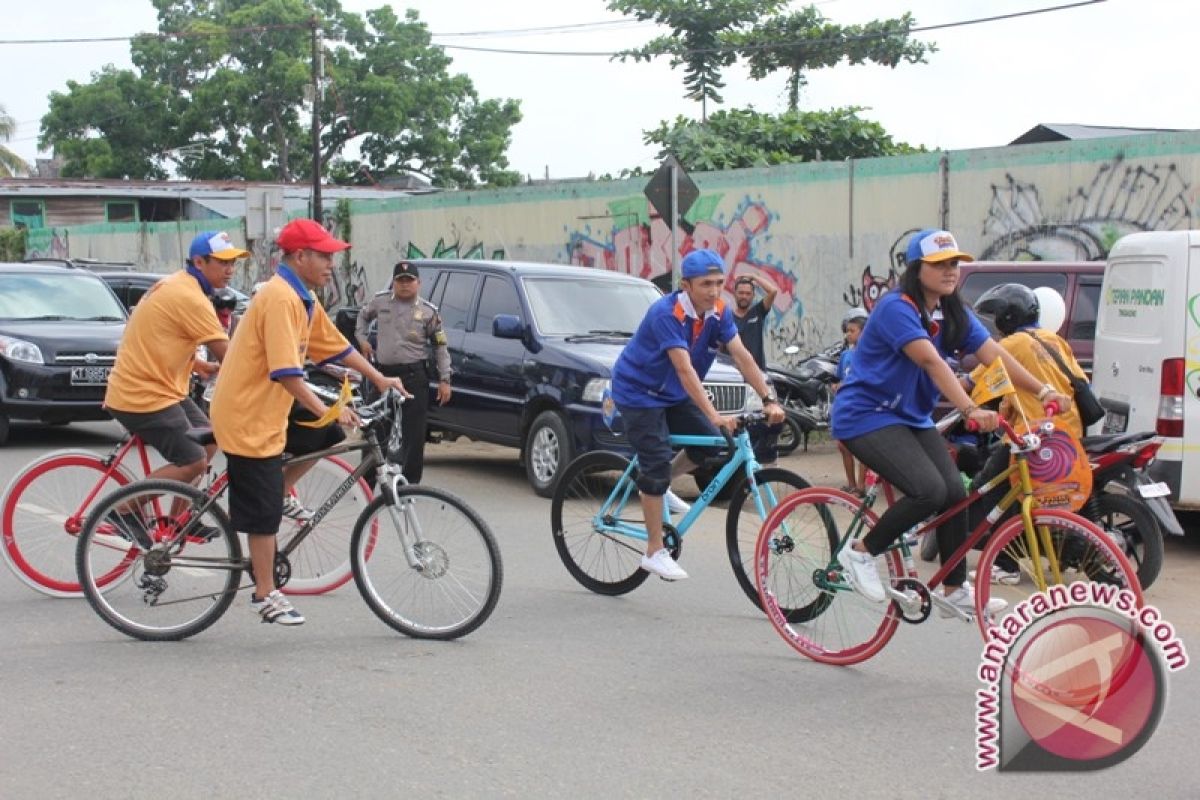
x=403 y=329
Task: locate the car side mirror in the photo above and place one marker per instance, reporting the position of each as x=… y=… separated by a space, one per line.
x=507 y=326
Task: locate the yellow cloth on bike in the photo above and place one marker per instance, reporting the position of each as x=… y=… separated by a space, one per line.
x=334 y=411
x=991 y=382
x=1030 y=355
x=154 y=361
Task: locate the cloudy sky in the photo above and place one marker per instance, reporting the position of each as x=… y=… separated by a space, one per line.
x=1119 y=62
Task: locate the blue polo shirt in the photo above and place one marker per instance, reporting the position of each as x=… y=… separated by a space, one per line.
x=884 y=386
x=643 y=376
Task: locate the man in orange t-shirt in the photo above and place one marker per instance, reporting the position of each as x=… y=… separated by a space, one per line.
x=148 y=388
x=261 y=378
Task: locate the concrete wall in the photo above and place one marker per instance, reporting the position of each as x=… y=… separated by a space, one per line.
x=829 y=234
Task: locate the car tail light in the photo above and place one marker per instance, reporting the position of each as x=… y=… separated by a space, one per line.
x=1146 y=454
x=1170 y=399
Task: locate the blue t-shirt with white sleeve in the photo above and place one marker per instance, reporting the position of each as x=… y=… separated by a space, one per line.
x=886 y=387
x=843 y=367
x=643 y=376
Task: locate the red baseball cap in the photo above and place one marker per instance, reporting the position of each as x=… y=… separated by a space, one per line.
x=306 y=234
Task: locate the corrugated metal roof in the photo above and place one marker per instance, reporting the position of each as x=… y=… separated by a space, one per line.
x=1057 y=132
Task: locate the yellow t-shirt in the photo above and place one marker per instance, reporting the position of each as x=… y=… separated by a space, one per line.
x=249 y=407
x=1034 y=358
x=154 y=359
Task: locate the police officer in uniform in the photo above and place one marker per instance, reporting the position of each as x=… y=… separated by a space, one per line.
x=406 y=323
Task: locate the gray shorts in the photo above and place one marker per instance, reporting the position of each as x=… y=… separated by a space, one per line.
x=166 y=430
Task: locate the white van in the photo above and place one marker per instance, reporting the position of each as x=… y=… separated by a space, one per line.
x=1146 y=368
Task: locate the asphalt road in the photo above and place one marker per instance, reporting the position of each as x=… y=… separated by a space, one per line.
x=675 y=690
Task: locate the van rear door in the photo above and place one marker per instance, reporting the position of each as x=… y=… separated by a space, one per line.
x=1140 y=328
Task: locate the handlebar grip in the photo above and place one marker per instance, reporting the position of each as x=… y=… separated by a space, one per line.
x=1051 y=408
x=972 y=426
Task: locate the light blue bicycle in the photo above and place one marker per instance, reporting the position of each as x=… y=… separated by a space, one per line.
x=600 y=532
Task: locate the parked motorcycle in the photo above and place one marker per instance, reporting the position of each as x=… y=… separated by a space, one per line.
x=806 y=394
x=1125 y=502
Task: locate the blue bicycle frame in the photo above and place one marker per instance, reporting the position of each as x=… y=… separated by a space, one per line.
x=608 y=518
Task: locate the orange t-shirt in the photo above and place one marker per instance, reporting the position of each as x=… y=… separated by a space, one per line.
x=154 y=359
x=278 y=332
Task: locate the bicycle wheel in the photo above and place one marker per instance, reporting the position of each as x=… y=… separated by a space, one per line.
x=455 y=582
x=603 y=561
x=1132 y=526
x=745 y=519
x=800 y=585
x=43 y=512
x=1082 y=552
x=321 y=563
x=179 y=583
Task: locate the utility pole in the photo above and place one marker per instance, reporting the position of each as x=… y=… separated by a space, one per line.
x=317 y=76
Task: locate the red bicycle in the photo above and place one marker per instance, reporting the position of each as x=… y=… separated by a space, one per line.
x=45 y=505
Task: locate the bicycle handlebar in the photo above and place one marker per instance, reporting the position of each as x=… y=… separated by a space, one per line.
x=1051 y=409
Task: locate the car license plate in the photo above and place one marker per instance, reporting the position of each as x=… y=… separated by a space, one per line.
x=1159 y=489
x=89 y=376
x=1114 y=422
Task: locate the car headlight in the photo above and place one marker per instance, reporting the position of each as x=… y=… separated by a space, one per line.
x=593 y=392
x=20 y=350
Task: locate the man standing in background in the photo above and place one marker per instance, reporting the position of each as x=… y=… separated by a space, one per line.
x=750 y=318
x=406 y=323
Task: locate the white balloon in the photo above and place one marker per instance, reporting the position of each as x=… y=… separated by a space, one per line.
x=1053 y=308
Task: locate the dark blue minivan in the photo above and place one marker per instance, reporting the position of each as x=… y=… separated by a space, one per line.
x=532 y=347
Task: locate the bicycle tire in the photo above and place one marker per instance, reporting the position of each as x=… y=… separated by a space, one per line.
x=321 y=563
x=1083 y=551
x=742 y=523
x=833 y=626
x=460 y=558
x=604 y=563
x=41 y=517
x=188 y=591
x=1139 y=532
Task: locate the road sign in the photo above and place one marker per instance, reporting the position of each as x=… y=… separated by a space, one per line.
x=658 y=190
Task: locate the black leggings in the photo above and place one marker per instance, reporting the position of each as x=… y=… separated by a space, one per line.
x=915 y=461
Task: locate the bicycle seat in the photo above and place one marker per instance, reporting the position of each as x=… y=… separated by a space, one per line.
x=202 y=436
x=1107 y=442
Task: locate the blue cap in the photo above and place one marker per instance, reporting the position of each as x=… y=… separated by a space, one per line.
x=699 y=263
x=216 y=244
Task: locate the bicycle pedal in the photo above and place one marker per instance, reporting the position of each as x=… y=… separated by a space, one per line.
x=950 y=611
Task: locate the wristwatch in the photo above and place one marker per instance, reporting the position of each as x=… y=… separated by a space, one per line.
x=770 y=398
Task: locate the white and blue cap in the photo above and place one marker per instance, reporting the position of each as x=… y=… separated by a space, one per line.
x=699 y=263
x=933 y=245
x=215 y=244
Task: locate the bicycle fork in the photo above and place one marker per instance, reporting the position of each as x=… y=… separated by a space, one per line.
x=404 y=517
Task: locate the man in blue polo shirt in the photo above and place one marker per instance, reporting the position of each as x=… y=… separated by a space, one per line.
x=656 y=384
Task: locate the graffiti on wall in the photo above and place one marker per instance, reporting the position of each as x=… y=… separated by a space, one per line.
x=1118 y=199
x=48 y=243
x=871 y=287
x=455 y=249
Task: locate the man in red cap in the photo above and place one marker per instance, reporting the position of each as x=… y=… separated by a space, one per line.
x=262 y=375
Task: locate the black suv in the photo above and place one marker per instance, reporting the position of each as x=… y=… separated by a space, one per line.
x=59 y=330
x=532 y=347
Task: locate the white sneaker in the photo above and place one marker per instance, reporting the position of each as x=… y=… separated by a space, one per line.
x=293 y=509
x=275 y=607
x=963 y=599
x=861 y=573
x=662 y=565
x=1001 y=576
x=674 y=504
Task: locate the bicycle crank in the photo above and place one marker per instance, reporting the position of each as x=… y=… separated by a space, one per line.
x=912 y=598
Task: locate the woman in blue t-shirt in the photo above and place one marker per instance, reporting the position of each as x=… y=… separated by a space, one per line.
x=882 y=411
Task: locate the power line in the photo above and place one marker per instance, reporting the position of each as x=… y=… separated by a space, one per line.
x=776 y=45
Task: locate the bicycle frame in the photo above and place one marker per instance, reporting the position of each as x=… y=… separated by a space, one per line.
x=1021 y=493
x=742 y=459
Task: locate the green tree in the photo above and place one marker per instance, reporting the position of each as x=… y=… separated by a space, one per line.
x=806 y=40
x=223 y=97
x=698 y=37
x=736 y=138
x=11 y=164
